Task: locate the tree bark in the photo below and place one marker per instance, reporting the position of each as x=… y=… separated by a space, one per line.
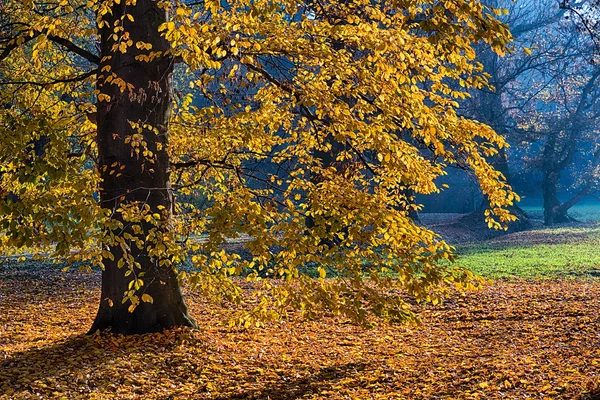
x=554 y=212
x=552 y=166
x=492 y=112
x=130 y=177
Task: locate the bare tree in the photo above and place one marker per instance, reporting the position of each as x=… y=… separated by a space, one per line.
x=553 y=111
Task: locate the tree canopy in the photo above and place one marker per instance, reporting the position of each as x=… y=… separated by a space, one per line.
x=307 y=126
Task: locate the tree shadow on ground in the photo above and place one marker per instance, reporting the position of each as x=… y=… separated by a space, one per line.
x=323 y=380
x=22 y=369
x=82 y=362
x=591 y=273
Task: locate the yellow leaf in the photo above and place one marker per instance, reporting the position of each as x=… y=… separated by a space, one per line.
x=146 y=298
x=322 y=272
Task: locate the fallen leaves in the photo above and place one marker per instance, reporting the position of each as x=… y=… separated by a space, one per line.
x=514 y=339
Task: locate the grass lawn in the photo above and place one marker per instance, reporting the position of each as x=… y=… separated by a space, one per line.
x=542 y=253
x=558 y=252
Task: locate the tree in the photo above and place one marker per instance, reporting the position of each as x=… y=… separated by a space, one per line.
x=564 y=119
x=552 y=108
x=272 y=86
x=543 y=103
x=586 y=15
x=529 y=23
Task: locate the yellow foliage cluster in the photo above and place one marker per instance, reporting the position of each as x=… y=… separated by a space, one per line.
x=308 y=126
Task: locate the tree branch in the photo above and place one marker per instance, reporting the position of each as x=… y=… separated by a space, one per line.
x=8 y=49
x=194 y=163
x=587 y=187
x=72 y=47
x=67 y=44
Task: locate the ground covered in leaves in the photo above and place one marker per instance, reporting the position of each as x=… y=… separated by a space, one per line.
x=513 y=340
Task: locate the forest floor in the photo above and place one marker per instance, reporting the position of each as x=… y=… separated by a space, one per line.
x=529 y=336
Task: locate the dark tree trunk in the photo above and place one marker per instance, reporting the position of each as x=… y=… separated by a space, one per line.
x=476 y=222
x=552 y=165
x=476 y=219
x=554 y=212
x=492 y=112
x=129 y=177
x=414 y=215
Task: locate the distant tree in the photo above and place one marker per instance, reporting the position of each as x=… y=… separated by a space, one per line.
x=585 y=14
x=543 y=102
x=554 y=109
x=562 y=122
x=489 y=104
x=277 y=88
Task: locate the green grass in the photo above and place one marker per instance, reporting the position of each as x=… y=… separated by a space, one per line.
x=539 y=261
x=558 y=252
x=564 y=253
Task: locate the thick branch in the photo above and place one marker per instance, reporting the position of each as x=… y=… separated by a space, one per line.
x=587 y=187
x=75 y=49
x=67 y=44
x=194 y=163
x=8 y=49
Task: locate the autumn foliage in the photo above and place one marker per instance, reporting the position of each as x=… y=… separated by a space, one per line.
x=308 y=127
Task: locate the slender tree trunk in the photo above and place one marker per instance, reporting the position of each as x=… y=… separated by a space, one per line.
x=412 y=213
x=500 y=163
x=130 y=177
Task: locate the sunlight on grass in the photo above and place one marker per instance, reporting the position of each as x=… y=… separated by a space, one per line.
x=550 y=252
x=581 y=260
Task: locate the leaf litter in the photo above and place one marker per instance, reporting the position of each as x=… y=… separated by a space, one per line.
x=514 y=339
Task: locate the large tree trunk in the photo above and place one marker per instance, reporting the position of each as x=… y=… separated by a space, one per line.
x=129 y=177
x=476 y=219
x=492 y=112
x=554 y=212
